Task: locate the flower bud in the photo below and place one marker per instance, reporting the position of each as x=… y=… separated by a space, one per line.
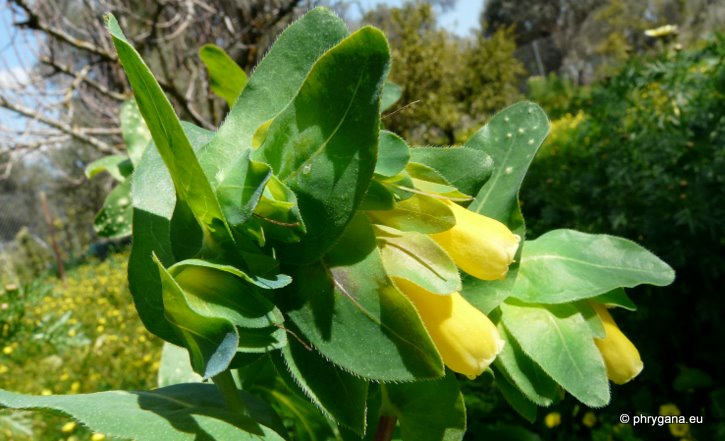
x=479 y=245
x=465 y=337
x=621 y=357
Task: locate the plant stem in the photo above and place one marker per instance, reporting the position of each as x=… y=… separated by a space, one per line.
x=386 y=427
x=228 y=388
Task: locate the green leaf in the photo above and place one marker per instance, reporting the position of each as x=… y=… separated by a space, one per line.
x=335 y=392
x=596 y=328
x=323 y=144
x=226 y=78
x=279 y=280
x=117 y=166
x=154 y=203
x=428 y=181
x=391 y=94
x=429 y=410
x=512 y=138
x=565 y=265
x=274 y=83
x=517 y=400
x=421 y=213
x=174 y=413
x=378 y=197
x=616 y=297
x=349 y=310
x=465 y=168
x=114 y=218
x=418 y=258
x=241 y=188
x=522 y=372
x=393 y=154
x=191 y=184
x=135 y=133
x=279 y=214
x=558 y=339
x=175 y=367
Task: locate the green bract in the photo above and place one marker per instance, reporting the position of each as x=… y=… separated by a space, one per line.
x=267 y=250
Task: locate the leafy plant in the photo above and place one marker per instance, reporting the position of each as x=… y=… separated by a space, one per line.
x=300 y=251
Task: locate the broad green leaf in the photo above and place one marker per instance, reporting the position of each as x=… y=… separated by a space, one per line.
x=192 y=186
x=565 y=265
x=226 y=78
x=522 y=372
x=429 y=410
x=616 y=297
x=418 y=258
x=272 y=85
x=393 y=154
x=174 y=413
x=465 y=168
x=517 y=400
x=349 y=310
x=242 y=187
x=154 y=203
x=558 y=339
x=391 y=94
x=279 y=213
x=401 y=185
x=486 y=295
x=512 y=138
x=591 y=317
x=335 y=392
x=421 y=213
x=276 y=282
x=117 y=166
x=114 y=218
x=135 y=133
x=175 y=368
x=323 y=144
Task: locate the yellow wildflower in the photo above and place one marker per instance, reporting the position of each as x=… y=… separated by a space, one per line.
x=552 y=419
x=68 y=427
x=465 y=337
x=589 y=419
x=621 y=357
x=98 y=437
x=481 y=246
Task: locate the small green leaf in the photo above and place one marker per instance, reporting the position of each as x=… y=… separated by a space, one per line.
x=418 y=258
x=323 y=144
x=591 y=317
x=517 y=400
x=117 y=166
x=429 y=410
x=378 y=197
x=226 y=78
x=279 y=213
x=135 y=133
x=558 y=339
x=428 y=181
x=350 y=311
x=616 y=297
x=191 y=184
x=391 y=94
x=523 y=373
x=335 y=392
x=465 y=168
x=393 y=154
x=566 y=265
x=174 y=413
x=115 y=217
x=421 y=213
x=241 y=188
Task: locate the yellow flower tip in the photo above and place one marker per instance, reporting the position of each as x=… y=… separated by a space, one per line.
x=621 y=357
x=465 y=337
x=98 y=437
x=481 y=246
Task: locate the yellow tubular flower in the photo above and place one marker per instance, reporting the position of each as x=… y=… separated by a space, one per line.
x=621 y=358
x=465 y=337
x=481 y=246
